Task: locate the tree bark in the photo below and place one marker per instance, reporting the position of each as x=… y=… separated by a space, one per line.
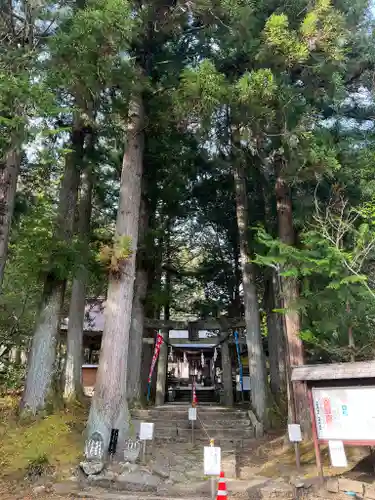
x=73 y=362
x=109 y=407
x=290 y=295
x=275 y=340
x=226 y=365
x=258 y=387
x=161 y=377
x=42 y=367
x=9 y=169
x=351 y=343
x=138 y=316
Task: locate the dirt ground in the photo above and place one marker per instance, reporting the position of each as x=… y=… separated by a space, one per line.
x=266 y=467
x=38 y=459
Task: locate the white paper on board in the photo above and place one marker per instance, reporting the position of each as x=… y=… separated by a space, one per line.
x=337 y=454
x=192 y=414
x=212 y=461
x=294 y=431
x=339 y=413
x=146 y=431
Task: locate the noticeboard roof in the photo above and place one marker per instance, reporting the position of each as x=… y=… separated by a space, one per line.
x=334 y=371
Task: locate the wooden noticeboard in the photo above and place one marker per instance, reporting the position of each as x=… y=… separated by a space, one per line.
x=342 y=405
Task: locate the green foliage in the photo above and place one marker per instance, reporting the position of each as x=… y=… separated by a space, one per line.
x=38 y=446
x=335 y=290
x=11 y=376
x=202 y=91
x=257 y=86
x=113 y=257
x=87 y=52
x=283 y=41
x=324 y=30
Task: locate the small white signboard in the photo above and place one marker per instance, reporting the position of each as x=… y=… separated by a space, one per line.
x=192 y=414
x=337 y=454
x=146 y=431
x=212 y=461
x=294 y=431
x=245 y=381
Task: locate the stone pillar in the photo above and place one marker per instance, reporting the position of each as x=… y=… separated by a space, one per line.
x=161 y=379
x=226 y=365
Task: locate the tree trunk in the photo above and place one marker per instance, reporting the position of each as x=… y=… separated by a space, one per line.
x=237 y=274
x=73 y=363
x=275 y=340
x=161 y=376
x=138 y=316
x=109 y=407
x=42 y=367
x=9 y=169
x=226 y=366
x=290 y=295
x=258 y=387
x=351 y=343
x=235 y=306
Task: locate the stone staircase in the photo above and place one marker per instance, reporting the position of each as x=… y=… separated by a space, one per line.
x=229 y=427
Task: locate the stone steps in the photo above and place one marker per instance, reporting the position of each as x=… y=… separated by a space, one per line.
x=212 y=424
x=227 y=425
x=202 y=435
x=181 y=420
x=181 y=411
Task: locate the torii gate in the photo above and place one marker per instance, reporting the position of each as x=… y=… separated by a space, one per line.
x=221 y=325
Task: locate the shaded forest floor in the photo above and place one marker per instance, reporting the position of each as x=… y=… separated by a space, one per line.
x=37 y=450
x=37 y=455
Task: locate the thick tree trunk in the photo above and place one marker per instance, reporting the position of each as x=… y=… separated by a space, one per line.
x=161 y=376
x=227 y=373
x=109 y=407
x=42 y=367
x=138 y=316
x=258 y=385
x=235 y=307
x=9 y=169
x=237 y=273
x=276 y=340
x=290 y=295
x=73 y=360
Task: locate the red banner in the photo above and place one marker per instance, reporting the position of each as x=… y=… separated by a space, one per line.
x=159 y=341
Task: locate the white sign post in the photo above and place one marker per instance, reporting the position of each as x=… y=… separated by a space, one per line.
x=295 y=436
x=212 y=461
x=212 y=464
x=146 y=433
x=294 y=431
x=192 y=418
x=192 y=414
x=337 y=454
